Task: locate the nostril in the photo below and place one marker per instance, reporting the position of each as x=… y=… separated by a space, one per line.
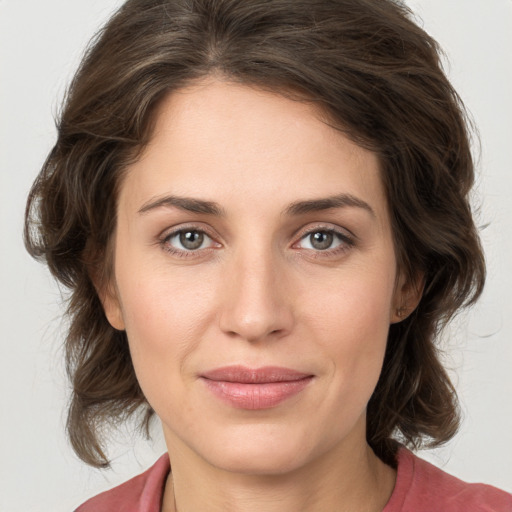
x=252 y=306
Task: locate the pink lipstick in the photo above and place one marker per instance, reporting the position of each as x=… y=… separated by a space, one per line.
x=260 y=388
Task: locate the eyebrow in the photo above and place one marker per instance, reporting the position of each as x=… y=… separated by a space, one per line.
x=297 y=208
x=327 y=203
x=184 y=203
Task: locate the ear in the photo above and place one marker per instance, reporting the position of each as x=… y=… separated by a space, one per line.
x=109 y=297
x=407 y=295
x=100 y=267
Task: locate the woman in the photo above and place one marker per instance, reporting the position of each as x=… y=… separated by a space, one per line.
x=261 y=210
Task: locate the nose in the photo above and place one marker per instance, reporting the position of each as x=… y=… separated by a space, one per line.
x=256 y=301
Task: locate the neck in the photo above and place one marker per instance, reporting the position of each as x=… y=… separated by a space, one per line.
x=353 y=480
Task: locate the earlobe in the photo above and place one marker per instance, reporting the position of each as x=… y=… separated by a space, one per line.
x=408 y=293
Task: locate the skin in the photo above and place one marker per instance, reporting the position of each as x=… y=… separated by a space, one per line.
x=258 y=292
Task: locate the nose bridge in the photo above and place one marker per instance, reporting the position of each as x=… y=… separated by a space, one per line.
x=256 y=303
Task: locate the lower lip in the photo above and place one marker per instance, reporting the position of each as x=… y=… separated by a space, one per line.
x=256 y=396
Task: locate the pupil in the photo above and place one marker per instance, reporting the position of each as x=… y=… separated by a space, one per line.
x=322 y=240
x=191 y=239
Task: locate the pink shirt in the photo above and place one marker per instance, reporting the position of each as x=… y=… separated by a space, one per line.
x=420 y=487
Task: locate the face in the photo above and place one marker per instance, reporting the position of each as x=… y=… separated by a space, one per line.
x=255 y=276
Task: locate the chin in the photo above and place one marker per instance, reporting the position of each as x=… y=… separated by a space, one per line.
x=263 y=451
x=261 y=462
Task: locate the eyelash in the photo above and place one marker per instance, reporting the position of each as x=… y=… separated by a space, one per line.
x=347 y=241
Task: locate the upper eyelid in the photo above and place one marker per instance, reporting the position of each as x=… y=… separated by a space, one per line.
x=169 y=232
x=343 y=232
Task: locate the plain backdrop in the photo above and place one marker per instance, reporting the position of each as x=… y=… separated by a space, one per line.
x=41 y=42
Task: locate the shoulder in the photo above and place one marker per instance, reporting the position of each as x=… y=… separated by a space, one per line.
x=422 y=487
x=142 y=493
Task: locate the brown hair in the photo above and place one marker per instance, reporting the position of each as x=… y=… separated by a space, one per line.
x=378 y=77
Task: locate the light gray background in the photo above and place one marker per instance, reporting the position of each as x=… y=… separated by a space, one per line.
x=40 y=45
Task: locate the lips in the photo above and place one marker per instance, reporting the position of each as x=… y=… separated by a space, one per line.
x=253 y=389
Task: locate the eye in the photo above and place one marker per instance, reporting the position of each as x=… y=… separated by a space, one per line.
x=187 y=240
x=324 y=240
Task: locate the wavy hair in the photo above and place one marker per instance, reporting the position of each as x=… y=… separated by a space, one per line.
x=378 y=77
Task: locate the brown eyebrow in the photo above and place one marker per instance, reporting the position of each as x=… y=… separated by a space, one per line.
x=297 y=208
x=337 y=201
x=184 y=203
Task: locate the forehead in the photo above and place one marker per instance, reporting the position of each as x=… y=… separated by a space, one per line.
x=219 y=140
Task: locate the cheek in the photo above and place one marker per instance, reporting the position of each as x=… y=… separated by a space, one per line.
x=159 y=314
x=354 y=305
x=351 y=323
x=162 y=331
x=166 y=316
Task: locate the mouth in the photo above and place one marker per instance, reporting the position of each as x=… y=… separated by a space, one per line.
x=253 y=389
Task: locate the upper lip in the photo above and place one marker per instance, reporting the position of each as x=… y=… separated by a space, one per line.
x=245 y=375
